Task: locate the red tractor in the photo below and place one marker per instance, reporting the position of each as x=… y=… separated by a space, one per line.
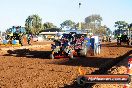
x=69 y=45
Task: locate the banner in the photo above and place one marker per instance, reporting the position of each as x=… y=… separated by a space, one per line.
x=123 y=78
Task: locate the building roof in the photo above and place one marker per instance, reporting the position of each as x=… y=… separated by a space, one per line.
x=52 y=30
x=50 y=33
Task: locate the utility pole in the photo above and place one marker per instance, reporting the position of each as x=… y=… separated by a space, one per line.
x=79 y=17
x=130 y=34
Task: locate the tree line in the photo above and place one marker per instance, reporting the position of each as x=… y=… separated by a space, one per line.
x=121 y=27
x=34 y=25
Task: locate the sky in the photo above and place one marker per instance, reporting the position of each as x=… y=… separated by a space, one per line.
x=15 y=12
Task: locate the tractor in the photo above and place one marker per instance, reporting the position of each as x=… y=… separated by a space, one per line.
x=16 y=35
x=122 y=39
x=62 y=48
x=70 y=45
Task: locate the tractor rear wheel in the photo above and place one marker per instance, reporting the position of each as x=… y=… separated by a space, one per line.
x=83 y=52
x=31 y=40
x=71 y=55
x=118 y=42
x=81 y=81
x=51 y=56
x=24 y=40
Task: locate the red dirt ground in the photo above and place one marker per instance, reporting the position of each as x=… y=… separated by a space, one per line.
x=32 y=68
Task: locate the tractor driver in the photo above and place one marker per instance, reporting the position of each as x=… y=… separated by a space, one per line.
x=65 y=44
x=20 y=38
x=82 y=38
x=57 y=43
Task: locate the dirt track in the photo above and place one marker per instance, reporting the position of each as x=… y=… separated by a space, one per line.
x=31 y=68
x=120 y=68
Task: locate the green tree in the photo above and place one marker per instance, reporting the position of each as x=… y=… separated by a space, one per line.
x=129 y=29
x=48 y=25
x=102 y=30
x=93 y=22
x=33 y=24
x=130 y=26
x=68 y=23
x=120 y=25
x=108 y=31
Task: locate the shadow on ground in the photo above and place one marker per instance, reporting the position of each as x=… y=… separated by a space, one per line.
x=92 y=61
x=29 y=54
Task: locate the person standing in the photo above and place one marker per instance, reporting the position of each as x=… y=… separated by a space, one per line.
x=29 y=39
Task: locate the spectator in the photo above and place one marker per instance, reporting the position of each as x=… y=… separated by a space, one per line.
x=29 y=39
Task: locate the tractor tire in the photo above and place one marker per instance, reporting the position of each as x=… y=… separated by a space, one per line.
x=118 y=42
x=71 y=55
x=128 y=42
x=83 y=52
x=31 y=41
x=24 y=40
x=51 y=56
x=81 y=81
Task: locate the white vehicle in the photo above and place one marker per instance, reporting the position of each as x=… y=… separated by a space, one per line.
x=35 y=38
x=40 y=38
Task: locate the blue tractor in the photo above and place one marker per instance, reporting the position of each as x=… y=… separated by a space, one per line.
x=16 y=35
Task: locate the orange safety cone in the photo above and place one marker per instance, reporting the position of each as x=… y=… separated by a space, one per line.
x=129 y=70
